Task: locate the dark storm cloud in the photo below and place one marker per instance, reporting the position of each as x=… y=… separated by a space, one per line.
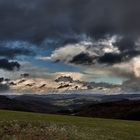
x=7 y=65
x=125 y=44
x=13 y=52
x=108 y=58
x=110 y=50
x=37 y=19
x=112 y=58
x=83 y=58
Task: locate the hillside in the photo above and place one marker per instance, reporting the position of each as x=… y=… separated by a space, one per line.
x=125 y=107
x=30 y=105
x=32 y=126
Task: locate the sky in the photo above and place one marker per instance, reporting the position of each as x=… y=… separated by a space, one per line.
x=97 y=39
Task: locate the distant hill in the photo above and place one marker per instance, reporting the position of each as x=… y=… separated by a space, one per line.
x=12 y=104
x=115 y=107
x=125 y=109
x=30 y=105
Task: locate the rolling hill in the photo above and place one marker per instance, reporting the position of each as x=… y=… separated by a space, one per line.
x=115 y=107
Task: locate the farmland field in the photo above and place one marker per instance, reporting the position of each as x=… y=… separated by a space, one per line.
x=34 y=126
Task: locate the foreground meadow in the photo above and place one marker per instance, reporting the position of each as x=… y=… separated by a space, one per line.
x=34 y=126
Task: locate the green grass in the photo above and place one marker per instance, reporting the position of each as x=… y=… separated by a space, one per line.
x=34 y=126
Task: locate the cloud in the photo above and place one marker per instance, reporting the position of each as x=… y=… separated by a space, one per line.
x=130 y=68
x=110 y=58
x=69 y=51
x=94 y=33
x=110 y=55
x=110 y=50
x=74 y=75
x=12 y=53
x=12 y=49
x=7 y=65
x=125 y=43
x=4 y=87
x=136 y=66
x=84 y=59
x=37 y=19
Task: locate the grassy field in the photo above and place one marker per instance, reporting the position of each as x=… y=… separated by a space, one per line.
x=34 y=126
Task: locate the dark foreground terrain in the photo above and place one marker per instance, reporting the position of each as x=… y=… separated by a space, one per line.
x=125 y=109
x=34 y=126
x=115 y=107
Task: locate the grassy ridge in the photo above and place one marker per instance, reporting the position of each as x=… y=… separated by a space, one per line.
x=65 y=127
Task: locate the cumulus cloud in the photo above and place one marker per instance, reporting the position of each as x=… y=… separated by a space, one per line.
x=67 y=52
x=11 y=50
x=110 y=58
x=84 y=59
x=89 y=51
x=130 y=68
x=109 y=54
x=136 y=66
x=7 y=65
x=74 y=75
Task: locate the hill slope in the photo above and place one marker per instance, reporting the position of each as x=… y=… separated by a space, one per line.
x=125 y=109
